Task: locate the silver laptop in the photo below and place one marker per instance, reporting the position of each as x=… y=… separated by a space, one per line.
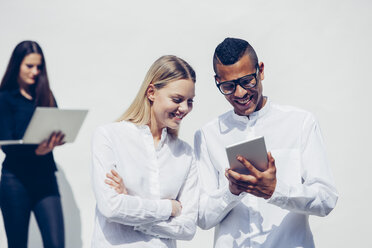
x=46 y=120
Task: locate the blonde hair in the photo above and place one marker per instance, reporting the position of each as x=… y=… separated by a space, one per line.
x=166 y=69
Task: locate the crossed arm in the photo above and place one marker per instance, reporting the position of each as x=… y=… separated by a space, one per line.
x=165 y=218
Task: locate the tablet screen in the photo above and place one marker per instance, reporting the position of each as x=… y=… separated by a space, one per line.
x=253 y=150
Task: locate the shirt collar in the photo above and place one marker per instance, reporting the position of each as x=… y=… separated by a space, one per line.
x=254 y=116
x=145 y=129
x=230 y=120
x=163 y=137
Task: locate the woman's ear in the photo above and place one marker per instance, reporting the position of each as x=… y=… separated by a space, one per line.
x=151 y=92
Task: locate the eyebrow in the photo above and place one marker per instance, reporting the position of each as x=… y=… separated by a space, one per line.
x=180 y=96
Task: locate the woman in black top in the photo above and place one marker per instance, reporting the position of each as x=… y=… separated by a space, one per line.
x=28 y=181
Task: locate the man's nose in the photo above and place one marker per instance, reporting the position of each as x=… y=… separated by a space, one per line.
x=240 y=91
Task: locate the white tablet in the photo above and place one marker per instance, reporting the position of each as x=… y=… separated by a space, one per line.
x=46 y=120
x=253 y=150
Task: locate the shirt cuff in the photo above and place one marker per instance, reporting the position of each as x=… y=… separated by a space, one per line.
x=229 y=198
x=165 y=212
x=280 y=195
x=165 y=209
x=145 y=229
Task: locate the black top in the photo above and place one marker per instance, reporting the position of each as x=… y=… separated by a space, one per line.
x=15 y=114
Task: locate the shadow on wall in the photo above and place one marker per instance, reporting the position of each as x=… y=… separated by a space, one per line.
x=71 y=216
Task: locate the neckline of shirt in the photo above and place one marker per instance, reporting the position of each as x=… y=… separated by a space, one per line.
x=17 y=92
x=255 y=115
x=145 y=129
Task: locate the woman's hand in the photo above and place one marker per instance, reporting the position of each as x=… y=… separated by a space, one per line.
x=116 y=182
x=176 y=208
x=55 y=139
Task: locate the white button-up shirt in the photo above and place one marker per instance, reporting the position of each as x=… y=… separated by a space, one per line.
x=152 y=176
x=304 y=187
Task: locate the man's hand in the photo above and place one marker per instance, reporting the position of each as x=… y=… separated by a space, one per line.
x=55 y=139
x=260 y=184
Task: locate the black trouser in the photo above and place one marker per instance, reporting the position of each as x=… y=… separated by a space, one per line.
x=16 y=207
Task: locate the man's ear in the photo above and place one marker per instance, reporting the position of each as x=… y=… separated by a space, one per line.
x=150 y=93
x=261 y=68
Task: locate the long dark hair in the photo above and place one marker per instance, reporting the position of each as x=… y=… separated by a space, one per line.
x=43 y=95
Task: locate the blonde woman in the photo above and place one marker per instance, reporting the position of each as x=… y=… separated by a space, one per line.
x=155 y=201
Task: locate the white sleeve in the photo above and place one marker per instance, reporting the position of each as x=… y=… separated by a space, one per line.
x=120 y=208
x=182 y=227
x=317 y=194
x=215 y=202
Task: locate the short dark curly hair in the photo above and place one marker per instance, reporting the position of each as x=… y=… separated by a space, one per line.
x=231 y=50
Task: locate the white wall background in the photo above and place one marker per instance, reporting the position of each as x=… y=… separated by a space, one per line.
x=317 y=56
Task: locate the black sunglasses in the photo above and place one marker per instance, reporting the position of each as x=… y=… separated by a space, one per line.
x=228 y=87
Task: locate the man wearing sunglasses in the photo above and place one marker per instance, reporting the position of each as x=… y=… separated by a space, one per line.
x=267 y=208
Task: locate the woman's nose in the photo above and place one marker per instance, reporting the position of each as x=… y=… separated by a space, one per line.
x=35 y=70
x=184 y=107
